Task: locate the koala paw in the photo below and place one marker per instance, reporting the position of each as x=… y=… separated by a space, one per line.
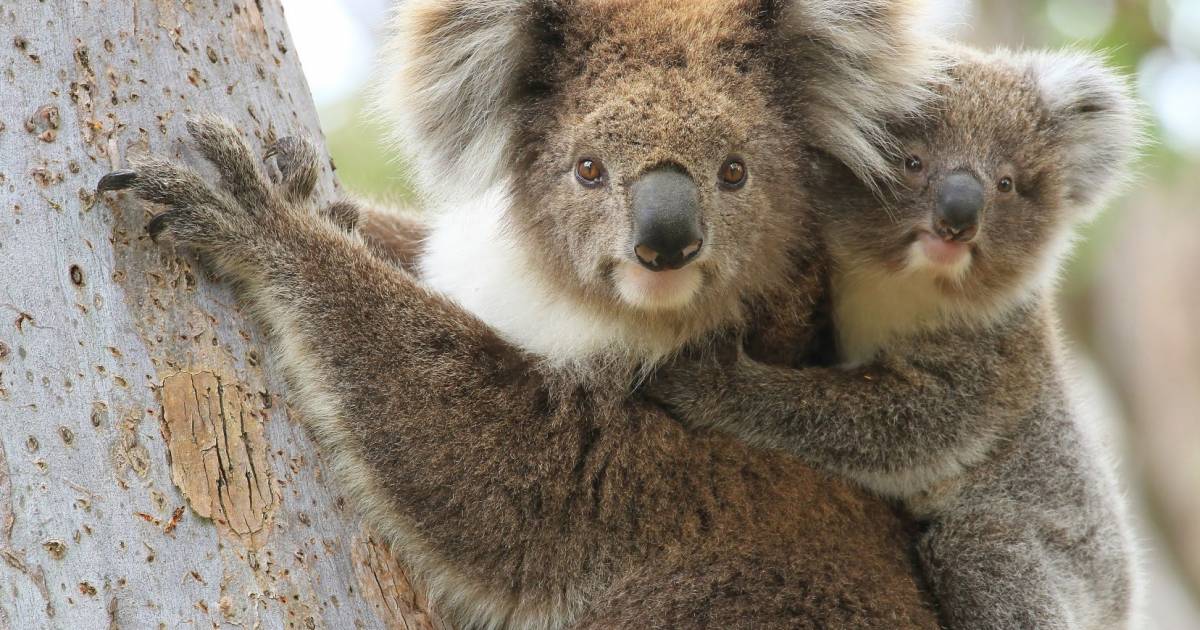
x=298 y=161
x=242 y=207
x=344 y=214
x=689 y=388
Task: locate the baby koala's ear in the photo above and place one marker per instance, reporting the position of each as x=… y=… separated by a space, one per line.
x=1093 y=120
x=852 y=67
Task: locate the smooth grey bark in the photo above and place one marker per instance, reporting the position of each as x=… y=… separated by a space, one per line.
x=150 y=474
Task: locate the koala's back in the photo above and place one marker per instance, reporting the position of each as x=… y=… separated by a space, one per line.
x=783 y=584
x=1063 y=485
x=1047 y=490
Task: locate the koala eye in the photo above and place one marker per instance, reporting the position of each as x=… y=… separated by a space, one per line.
x=913 y=164
x=1005 y=185
x=733 y=174
x=589 y=172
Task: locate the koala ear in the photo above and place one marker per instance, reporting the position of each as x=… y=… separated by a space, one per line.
x=455 y=75
x=1091 y=115
x=851 y=68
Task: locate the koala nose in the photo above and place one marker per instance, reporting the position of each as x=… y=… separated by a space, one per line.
x=959 y=202
x=666 y=229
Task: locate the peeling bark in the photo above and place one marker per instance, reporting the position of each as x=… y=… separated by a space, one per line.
x=150 y=474
x=218 y=455
x=385 y=587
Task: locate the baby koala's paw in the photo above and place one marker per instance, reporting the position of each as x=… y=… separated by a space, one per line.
x=344 y=214
x=298 y=163
x=297 y=166
x=692 y=387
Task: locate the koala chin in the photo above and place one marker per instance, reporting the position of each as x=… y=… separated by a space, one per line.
x=952 y=395
x=651 y=290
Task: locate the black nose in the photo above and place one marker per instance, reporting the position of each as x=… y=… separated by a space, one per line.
x=959 y=202
x=666 y=228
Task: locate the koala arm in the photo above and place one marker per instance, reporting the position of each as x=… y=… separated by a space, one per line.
x=921 y=411
x=398 y=235
x=395 y=234
x=454 y=441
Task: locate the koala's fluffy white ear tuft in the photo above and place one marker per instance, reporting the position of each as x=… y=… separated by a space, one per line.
x=860 y=65
x=1092 y=115
x=450 y=84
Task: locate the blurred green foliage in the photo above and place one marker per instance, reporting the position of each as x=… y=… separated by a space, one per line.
x=366 y=165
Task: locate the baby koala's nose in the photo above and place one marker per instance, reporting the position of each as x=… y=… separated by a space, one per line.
x=959 y=202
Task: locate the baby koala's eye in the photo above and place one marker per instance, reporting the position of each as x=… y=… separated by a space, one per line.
x=913 y=164
x=733 y=174
x=589 y=172
x=1005 y=185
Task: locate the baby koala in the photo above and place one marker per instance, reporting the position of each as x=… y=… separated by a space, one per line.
x=951 y=395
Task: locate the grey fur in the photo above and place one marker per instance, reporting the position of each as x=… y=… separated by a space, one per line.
x=964 y=413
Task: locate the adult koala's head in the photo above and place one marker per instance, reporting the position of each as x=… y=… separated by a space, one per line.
x=651 y=150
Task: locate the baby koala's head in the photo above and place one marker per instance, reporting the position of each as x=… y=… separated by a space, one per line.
x=1022 y=147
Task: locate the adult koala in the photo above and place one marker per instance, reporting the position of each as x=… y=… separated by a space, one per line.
x=618 y=178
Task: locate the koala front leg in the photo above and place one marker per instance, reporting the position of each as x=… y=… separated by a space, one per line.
x=424 y=408
x=915 y=416
x=990 y=572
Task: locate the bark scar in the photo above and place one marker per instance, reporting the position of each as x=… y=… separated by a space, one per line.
x=384 y=585
x=218 y=455
x=7 y=518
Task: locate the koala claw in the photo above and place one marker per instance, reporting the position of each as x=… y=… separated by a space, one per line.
x=158 y=224
x=240 y=208
x=242 y=214
x=116 y=180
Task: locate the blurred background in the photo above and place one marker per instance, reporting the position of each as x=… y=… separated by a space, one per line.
x=1130 y=297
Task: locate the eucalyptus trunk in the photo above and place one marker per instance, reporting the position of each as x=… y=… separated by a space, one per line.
x=150 y=474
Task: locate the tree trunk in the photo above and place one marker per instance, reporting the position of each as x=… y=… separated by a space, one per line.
x=149 y=473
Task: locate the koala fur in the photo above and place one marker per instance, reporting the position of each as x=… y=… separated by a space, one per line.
x=481 y=414
x=952 y=396
x=458 y=91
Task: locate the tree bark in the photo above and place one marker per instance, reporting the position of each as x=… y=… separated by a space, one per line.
x=149 y=473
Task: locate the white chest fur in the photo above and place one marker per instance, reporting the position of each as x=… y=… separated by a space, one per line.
x=871 y=307
x=473 y=257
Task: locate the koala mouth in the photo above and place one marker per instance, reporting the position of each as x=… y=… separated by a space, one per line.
x=942 y=251
x=938 y=254
x=657 y=290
